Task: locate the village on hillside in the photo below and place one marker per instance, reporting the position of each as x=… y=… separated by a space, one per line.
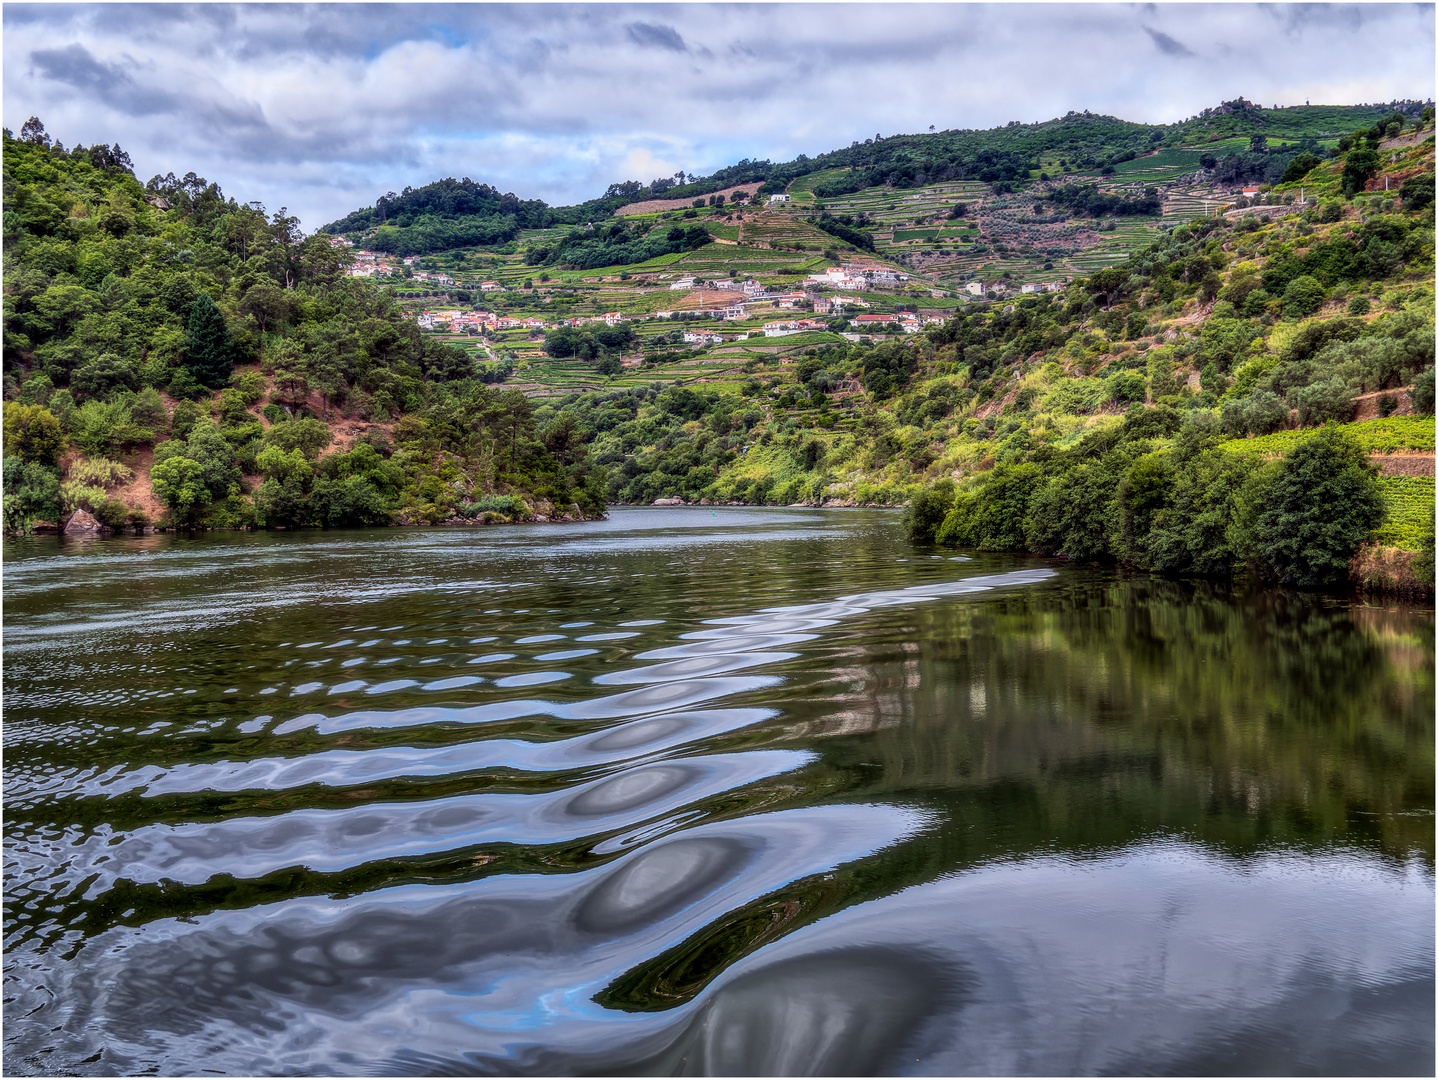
x=774 y=267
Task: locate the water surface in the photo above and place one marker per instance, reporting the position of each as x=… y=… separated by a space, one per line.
x=692 y=791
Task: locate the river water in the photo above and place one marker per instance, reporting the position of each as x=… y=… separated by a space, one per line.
x=703 y=791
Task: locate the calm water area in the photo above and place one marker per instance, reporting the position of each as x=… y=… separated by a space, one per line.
x=695 y=791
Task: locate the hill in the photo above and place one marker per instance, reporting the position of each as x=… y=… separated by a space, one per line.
x=1261 y=142
x=217 y=367
x=174 y=354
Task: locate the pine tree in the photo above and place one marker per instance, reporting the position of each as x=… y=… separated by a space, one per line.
x=209 y=350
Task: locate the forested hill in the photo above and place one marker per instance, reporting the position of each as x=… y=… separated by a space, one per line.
x=453 y=213
x=173 y=355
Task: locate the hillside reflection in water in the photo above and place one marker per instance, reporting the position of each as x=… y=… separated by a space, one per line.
x=703 y=792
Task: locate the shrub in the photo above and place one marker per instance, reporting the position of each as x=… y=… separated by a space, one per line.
x=1322 y=504
x=100 y=472
x=32 y=433
x=1304 y=296
x=926 y=511
x=492 y=506
x=182 y=421
x=31 y=493
x=76 y=496
x=1417 y=191
x=112 y=513
x=251 y=386
x=1423 y=392
x=178 y=482
x=1321 y=402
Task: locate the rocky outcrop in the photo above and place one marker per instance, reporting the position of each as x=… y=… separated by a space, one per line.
x=83 y=523
x=667 y=502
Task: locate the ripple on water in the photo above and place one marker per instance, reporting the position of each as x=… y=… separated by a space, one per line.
x=328 y=841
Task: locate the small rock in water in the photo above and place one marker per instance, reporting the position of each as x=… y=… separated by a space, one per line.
x=83 y=523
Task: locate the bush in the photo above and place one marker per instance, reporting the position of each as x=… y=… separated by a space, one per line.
x=100 y=472
x=1321 y=402
x=1322 y=504
x=32 y=433
x=112 y=513
x=1304 y=296
x=183 y=420
x=309 y=435
x=251 y=386
x=494 y=505
x=1423 y=392
x=1417 y=192
x=31 y=493
x=926 y=511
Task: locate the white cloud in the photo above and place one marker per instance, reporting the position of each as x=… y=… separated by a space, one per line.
x=325 y=107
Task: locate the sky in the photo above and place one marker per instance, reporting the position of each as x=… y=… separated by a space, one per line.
x=323 y=108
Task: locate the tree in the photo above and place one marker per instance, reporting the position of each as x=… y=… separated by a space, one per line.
x=32 y=433
x=565 y=439
x=926 y=510
x=1417 y=191
x=266 y=303
x=1299 y=167
x=100 y=377
x=178 y=482
x=209 y=349
x=1303 y=296
x=1323 y=503
x=1108 y=282
x=32 y=131
x=292 y=374
x=1358 y=169
x=31 y=493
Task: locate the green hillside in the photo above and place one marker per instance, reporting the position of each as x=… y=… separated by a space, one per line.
x=176 y=357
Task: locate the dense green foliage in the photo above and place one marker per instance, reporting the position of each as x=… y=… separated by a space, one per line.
x=116 y=293
x=1088 y=201
x=619 y=243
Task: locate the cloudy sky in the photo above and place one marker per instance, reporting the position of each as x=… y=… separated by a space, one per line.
x=322 y=108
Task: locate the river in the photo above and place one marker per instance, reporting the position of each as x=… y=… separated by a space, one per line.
x=695 y=791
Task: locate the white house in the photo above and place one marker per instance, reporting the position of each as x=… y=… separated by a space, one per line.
x=490 y=286
x=734 y=311
x=870 y=320
x=613 y=317
x=702 y=337
x=682 y=283
x=974 y=288
x=776 y=200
